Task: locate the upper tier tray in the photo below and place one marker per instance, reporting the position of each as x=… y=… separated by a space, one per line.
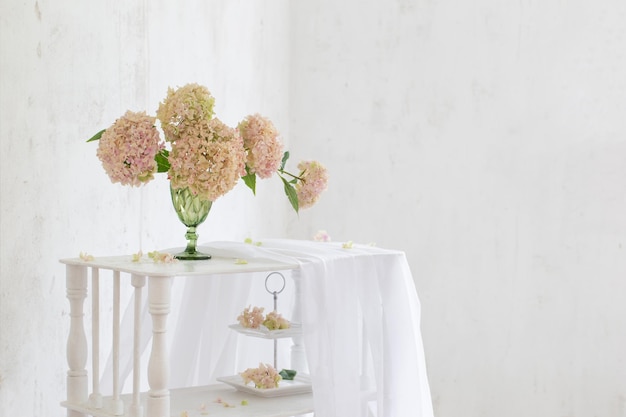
x=265 y=333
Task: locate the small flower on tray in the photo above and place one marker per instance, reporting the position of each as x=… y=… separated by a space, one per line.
x=263 y=377
x=251 y=319
x=274 y=321
x=347 y=245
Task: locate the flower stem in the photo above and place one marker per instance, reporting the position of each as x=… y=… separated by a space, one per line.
x=282 y=171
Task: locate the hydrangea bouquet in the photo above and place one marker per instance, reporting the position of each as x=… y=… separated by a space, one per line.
x=203 y=157
x=206 y=156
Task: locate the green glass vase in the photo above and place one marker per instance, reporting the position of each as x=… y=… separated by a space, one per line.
x=192 y=211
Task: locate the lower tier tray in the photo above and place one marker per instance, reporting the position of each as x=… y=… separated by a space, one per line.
x=301 y=384
x=214 y=401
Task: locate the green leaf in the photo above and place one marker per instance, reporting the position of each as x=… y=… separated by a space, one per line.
x=284 y=161
x=163 y=164
x=290 y=191
x=250 y=180
x=287 y=374
x=97 y=136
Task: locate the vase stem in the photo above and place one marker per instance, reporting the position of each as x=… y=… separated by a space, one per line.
x=192 y=239
x=191 y=253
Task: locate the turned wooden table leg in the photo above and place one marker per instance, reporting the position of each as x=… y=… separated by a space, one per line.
x=76 y=285
x=158 y=402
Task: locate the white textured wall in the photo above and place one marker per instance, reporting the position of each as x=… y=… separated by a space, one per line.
x=487 y=139
x=69 y=69
x=484 y=138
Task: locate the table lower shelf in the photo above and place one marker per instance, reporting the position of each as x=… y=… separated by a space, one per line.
x=203 y=401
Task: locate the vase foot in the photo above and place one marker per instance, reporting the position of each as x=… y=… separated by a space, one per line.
x=195 y=256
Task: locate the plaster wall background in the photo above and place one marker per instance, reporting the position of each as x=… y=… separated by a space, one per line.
x=487 y=139
x=69 y=69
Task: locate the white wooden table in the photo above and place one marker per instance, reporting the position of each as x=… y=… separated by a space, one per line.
x=85 y=399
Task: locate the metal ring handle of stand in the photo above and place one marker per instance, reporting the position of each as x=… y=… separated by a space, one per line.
x=275 y=295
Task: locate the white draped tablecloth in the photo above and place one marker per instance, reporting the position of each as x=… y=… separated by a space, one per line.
x=360 y=323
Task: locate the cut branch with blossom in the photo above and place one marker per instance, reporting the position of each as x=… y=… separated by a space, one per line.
x=263 y=147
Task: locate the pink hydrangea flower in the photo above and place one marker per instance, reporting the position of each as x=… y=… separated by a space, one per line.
x=127 y=149
x=207 y=157
x=313 y=181
x=183 y=108
x=265 y=150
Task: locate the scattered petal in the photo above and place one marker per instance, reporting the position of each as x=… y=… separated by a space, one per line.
x=244 y=402
x=86 y=257
x=159 y=257
x=347 y=245
x=322 y=236
x=137 y=256
x=239 y=261
x=224 y=403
